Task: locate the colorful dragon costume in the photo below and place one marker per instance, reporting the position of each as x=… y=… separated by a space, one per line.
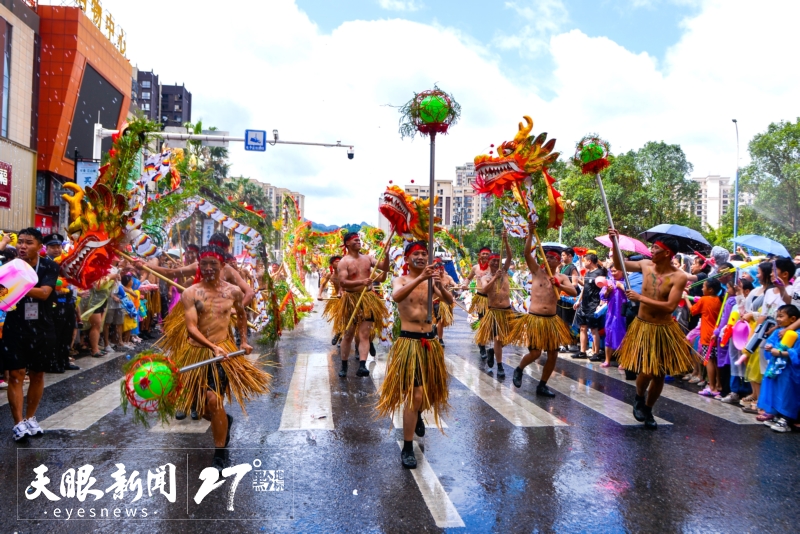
x=407 y=215
x=521 y=161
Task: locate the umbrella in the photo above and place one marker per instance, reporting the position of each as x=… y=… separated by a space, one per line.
x=762 y=244
x=689 y=241
x=625 y=243
x=552 y=245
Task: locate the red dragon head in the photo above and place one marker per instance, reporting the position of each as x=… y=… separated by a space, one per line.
x=97 y=222
x=406 y=214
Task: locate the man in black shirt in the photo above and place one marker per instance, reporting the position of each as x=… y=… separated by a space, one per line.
x=587 y=304
x=63 y=313
x=28 y=340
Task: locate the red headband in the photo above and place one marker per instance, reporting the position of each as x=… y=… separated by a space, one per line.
x=217 y=255
x=415 y=247
x=494 y=255
x=665 y=247
x=553 y=252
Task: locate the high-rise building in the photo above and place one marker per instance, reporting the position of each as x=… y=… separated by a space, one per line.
x=148 y=95
x=176 y=105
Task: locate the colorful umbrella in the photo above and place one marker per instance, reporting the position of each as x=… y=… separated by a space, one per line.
x=762 y=244
x=626 y=243
x=689 y=241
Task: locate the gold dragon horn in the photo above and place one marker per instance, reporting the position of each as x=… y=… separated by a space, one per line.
x=524 y=131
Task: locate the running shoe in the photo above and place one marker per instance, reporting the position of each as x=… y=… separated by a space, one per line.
x=730 y=398
x=3 y=384
x=33 y=426
x=21 y=431
x=781 y=425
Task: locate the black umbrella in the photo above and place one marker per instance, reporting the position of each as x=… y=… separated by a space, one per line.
x=689 y=241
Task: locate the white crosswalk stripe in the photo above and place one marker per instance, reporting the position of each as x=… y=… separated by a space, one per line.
x=616 y=410
x=377 y=371
x=444 y=513
x=707 y=405
x=87 y=411
x=518 y=410
x=308 y=401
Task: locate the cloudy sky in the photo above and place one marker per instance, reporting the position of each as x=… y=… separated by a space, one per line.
x=632 y=70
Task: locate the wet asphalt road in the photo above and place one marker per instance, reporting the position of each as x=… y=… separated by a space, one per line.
x=578 y=471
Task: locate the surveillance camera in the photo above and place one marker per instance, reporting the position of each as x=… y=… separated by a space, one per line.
x=350 y=154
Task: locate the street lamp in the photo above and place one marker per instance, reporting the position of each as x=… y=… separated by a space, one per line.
x=736 y=188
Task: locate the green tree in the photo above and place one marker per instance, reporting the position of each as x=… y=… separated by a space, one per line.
x=773 y=178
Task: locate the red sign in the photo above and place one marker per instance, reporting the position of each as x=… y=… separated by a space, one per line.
x=44 y=224
x=5 y=184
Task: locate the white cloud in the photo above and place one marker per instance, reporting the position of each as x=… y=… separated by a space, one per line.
x=400 y=5
x=275 y=69
x=543 y=18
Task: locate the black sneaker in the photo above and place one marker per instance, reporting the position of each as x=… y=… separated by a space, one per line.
x=362 y=371
x=639 y=409
x=490 y=358
x=372 y=351
x=501 y=372
x=579 y=356
x=597 y=358
x=649 y=420
x=543 y=391
x=482 y=348
x=335 y=340
x=73 y=367
x=408 y=459
x=221 y=459
x=180 y=415
x=343 y=370
x=441 y=342
x=228 y=434
x=195 y=417
x=517 y=379
x=420 y=428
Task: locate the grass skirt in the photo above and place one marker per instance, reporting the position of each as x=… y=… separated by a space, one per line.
x=540 y=332
x=153 y=300
x=409 y=360
x=495 y=325
x=176 y=338
x=370 y=307
x=655 y=349
x=331 y=311
x=245 y=379
x=479 y=304
x=445 y=316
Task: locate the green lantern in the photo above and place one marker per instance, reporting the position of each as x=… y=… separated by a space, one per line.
x=433 y=109
x=152 y=379
x=592 y=152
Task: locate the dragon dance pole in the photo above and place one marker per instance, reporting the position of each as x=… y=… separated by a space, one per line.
x=611 y=224
x=431 y=207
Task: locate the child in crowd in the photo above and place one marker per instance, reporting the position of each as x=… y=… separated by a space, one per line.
x=780 y=388
x=708 y=308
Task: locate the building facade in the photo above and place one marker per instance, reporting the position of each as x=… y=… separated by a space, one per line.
x=148 y=95
x=19 y=104
x=176 y=105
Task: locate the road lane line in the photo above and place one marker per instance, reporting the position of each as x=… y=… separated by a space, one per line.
x=518 y=410
x=706 y=405
x=308 y=401
x=378 y=373
x=439 y=504
x=616 y=410
x=87 y=411
x=54 y=378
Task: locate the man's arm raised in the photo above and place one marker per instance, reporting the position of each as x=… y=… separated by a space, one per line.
x=507 y=263
x=630 y=266
x=533 y=267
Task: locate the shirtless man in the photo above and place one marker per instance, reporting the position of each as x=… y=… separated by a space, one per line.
x=207 y=306
x=444 y=315
x=354 y=275
x=654 y=345
x=229 y=274
x=416 y=376
x=479 y=303
x=330 y=283
x=496 y=324
x=541 y=330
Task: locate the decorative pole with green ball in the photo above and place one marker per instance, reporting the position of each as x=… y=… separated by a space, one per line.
x=591 y=155
x=428 y=113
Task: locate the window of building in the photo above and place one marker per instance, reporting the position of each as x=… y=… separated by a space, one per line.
x=5 y=27
x=178 y=118
x=164 y=118
x=146 y=95
x=145 y=106
x=177 y=107
x=146 y=84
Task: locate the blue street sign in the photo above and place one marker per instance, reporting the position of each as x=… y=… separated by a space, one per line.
x=255 y=140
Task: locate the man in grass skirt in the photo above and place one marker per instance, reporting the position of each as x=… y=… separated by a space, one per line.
x=207 y=310
x=416 y=376
x=479 y=303
x=655 y=345
x=541 y=330
x=330 y=283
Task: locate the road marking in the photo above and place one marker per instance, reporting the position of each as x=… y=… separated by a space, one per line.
x=378 y=372
x=439 y=504
x=184 y=426
x=87 y=411
x=54 y=378
x=616 y=410
x=707 y=405
x=518 y=410
x=308 y=401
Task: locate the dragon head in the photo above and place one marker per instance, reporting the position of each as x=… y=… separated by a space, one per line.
x=97 y=223
x=406 y=214
x=515 y=161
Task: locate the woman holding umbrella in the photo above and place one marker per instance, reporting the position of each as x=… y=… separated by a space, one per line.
x=654 y=345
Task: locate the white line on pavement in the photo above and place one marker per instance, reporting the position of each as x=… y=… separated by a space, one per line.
x=87 y=411
x=705 y=404
x=444 y=513
x=308 y=401
x=518 y=410
x=593 y=399
x=378 y=372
